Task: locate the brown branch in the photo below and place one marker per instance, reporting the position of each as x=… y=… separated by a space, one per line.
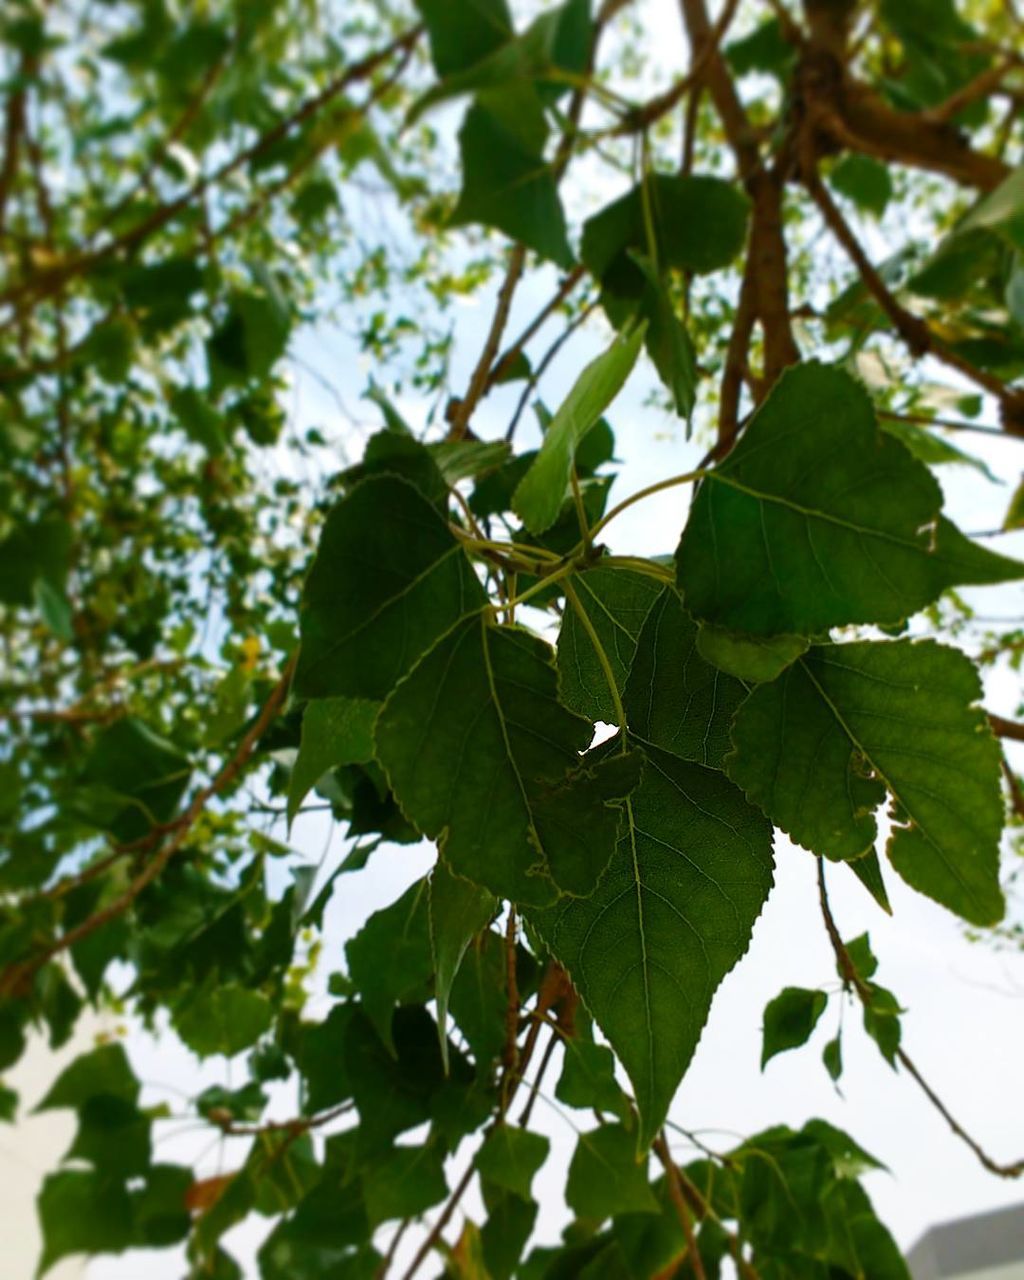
x=1003 y=728
x=859 y=120
x=736 y=364
x=852 y=978
x=980 y=87
x=511 y=353
x=46 y=283
x=675 y=1190
x=14 y=129
x=459 y=411
x=15 y=978
x=174 y=134
x=538 y=1079
x=644 y=116
x=915 y=332
x=541 y=369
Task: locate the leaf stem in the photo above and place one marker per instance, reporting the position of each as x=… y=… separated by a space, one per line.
x=686 y=478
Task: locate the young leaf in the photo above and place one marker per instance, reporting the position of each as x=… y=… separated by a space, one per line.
x=605 y=1176
x=510 y=1157
x=819 y=519
x=671 y=916
x=674 y=698
x=483 y=758
x=818 y=747
x=541 y=492
x=616 y=601
x=335 y=731
x=790 y=1019
x=388 y=579
x=459 y=910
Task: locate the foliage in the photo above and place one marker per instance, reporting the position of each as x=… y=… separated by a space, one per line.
x=214 y=626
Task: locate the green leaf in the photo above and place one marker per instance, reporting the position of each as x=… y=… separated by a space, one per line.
x=818 y=519
x=105 y=1071
x=700 y=224
x=223 y=1019
x=83 y=1212
x=510 y=1157
x=506 y=182
x=674 y=699
x=606 y=1177
x=251 y=339
x=391 y=452
x=335 y=731
x=468 y=459
x=406 y=1182
x=40 y=550
x=463 y=32
x=588 y=1079
x=863 y=180
x=542 y=491
x=932 y=449
x=388 y=579
x=790 y=1019
x=132 y=779
x=670 y=917
x=1001 y=210
x=478 y=999
x=616 y=601
x=668 y=341
x=483 y=758
x=390 y=959
x=764 y=49
x=832 y=1057
x=459 y=911
x=504 y=1234
x=818 y=747
x=753 y=659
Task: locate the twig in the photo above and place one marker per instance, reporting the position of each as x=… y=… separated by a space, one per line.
x=46 y=283
x=542 y=368
x=914 y=331
x=1003 y=728
x=682 y=1209
x=538 y=1079
x=16 y=976
x=850 y=975
x=460 y=411
x=509 y=355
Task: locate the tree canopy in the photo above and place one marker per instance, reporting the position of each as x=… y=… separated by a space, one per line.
x=810 y=239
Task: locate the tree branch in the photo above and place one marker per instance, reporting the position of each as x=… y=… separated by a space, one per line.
x=44 y=284
x=853 y=979
x=16 y=977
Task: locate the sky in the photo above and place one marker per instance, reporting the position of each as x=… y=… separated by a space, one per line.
x=964 y=1020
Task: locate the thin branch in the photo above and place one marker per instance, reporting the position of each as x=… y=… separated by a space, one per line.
x=46 y=283
x=850 y=975
x=14 y=129
x=508 y=357
x=1003 y=728
x=538 y=1079
x=459 y=411
x=915 y=332
x=682 y=1209
x=14 y=979
x=980 y=87
x=542 y=368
